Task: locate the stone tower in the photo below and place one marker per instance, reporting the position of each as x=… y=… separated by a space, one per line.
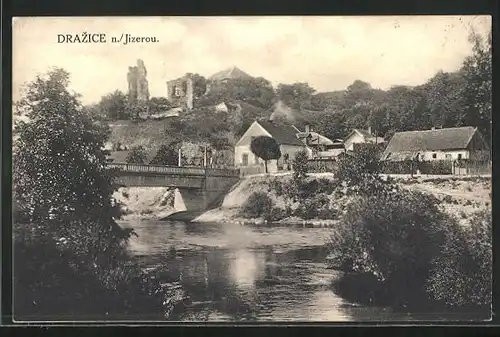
x=138 y=86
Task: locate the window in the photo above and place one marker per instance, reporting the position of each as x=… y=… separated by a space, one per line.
x=244 y=159
x=255 y=159
x=459 y=156
x=177 y=91
x=434 y=156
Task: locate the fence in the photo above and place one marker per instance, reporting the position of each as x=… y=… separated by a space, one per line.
x=320 y=165
x=178 y=170
x=438 y=167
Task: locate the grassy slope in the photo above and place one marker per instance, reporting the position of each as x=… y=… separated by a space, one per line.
x=149 y=133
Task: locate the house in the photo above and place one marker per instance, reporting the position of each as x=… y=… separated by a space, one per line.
x=285 y=135
x=437 y=144
x=321 y=146
x=359 y=136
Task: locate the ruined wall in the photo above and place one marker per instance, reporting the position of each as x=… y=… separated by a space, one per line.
x=181 y=92
x=138 y=86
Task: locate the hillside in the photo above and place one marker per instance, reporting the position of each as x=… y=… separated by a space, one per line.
x=202 y=126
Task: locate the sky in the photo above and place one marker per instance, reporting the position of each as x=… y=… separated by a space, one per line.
x=328 y=52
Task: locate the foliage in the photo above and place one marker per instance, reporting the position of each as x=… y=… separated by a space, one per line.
x=295 y=95
x=68 y=234
x=53 y=180
x=299 y=167
x=137 y=155
x=360 y=171
x=477 y=71
x=316 y=206
x=114 y=106
x=166 y=155
x=199 y=84
x=461 y=274
x=259 y=204
x=158 y=105
x=256 y=91
x=266 y=148
x=395 y=238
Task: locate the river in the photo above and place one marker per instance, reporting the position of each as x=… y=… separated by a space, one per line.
x=243 y=273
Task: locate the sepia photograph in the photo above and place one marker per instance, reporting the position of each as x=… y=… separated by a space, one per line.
x=252 y=169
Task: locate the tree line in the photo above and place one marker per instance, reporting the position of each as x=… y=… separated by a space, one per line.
x=448 y=99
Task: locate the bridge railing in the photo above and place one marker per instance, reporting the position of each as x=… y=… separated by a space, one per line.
x=181 y=170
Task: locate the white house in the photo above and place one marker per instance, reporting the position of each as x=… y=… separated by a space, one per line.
x=359 y=136
x=436 y=144
x=285 y=135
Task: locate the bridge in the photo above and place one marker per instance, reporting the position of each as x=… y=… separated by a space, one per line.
x=196 y=188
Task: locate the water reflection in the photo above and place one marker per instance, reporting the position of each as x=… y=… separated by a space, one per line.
x=233 y=272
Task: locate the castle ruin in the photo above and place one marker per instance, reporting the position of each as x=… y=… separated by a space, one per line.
x=138 y=87
x=180 y=91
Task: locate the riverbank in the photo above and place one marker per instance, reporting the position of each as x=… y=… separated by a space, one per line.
x=458 y=196
x=145 y=203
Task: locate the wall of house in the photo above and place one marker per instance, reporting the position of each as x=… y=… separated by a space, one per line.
x=291 y=150
x=445 y=155
x=272 y=165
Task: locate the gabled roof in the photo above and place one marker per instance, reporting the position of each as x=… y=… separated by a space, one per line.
x=284 y=134
x=231 y=73
x=430 y=140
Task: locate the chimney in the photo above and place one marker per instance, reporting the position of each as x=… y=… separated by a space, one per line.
x=308 y=128
x=370 y=130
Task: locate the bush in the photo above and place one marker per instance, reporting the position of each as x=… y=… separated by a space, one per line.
x=259 y=204
x=137 y=155
x=311 y=208
x=166 y=155
x=112 y=289
x=394 y=237
x=461 y=274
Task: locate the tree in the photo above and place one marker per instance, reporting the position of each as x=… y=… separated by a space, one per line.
x=477 y=70
x=166 y=155
x=158 y=105
x=199 y=84
x=255 y=91
x=137 y=155
x=300 y=167
x=114 y=106
x=266 y=148
x=295 y=95
x=59 y=162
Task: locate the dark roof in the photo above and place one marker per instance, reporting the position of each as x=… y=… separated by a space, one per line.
x=430 y=140
x=230 y=73
x=284 y=134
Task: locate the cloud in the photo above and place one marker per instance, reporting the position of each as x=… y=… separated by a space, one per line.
x=327 y=52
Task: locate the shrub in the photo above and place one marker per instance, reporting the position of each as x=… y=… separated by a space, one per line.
x=166 y=155
x=461 y=273
x=257 y=205
x=299 y=166
x=137 y=155
x=276 y=214
x=448 y=199
x=310 y=208
x=393 y=237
